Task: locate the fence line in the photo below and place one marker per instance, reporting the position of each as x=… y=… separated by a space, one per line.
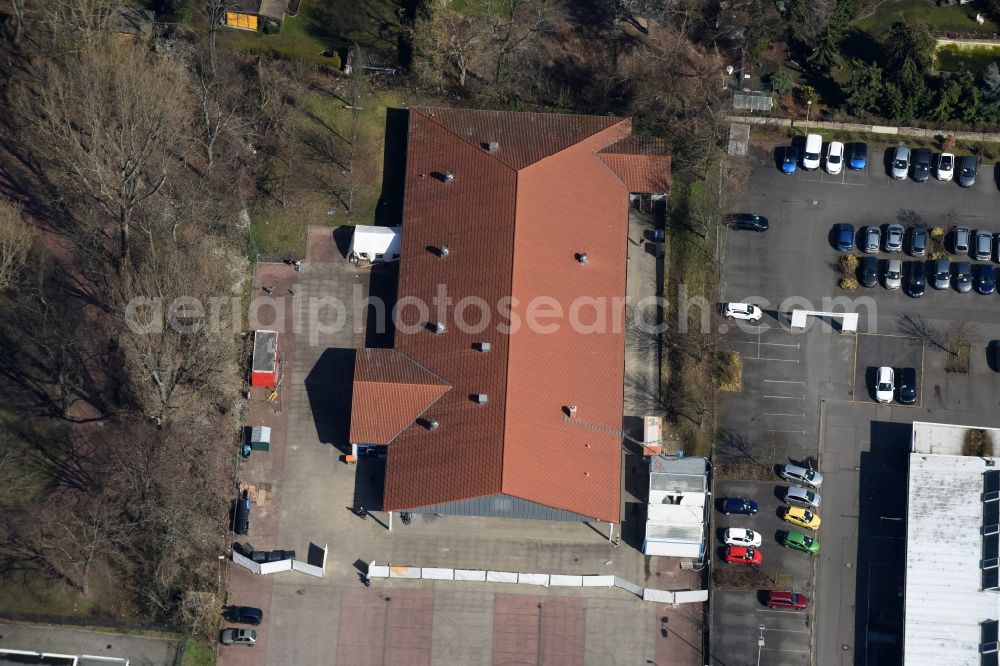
x=537 y=579
x=993 y=137
x=264 y=568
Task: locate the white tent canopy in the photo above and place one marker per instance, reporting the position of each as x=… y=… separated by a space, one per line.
x=371 y=244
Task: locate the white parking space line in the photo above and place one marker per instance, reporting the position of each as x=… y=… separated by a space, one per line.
x=767 y=649
x=770 y=344
x=790 y=631
x=799 y=432
x=786 y=397
x=786 y=612
x=782 y=381
x=765 y=358
x=797 y=416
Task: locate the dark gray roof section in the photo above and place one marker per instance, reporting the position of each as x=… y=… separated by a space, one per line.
x=265 y=349
x=501 y=506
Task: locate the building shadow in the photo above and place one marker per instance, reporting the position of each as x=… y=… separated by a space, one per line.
x=389 y=212
x=383 y=283
x=881 y=556
x=329 y=385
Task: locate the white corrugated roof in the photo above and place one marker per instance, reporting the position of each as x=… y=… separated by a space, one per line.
x=945 y=438
x=945 y=602
x=676 y=529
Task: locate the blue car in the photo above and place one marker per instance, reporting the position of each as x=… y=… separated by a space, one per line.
x=739 y=505
x=845 y=237
x=859 y=156
x=790 y=162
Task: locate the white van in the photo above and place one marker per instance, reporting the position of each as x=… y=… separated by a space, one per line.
x=814 y=148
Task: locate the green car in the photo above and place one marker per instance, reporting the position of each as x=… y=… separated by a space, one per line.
x=801 y=542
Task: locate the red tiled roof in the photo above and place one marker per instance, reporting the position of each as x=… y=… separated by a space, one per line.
x=513 y=220
x=643 y=164
x=390 y=391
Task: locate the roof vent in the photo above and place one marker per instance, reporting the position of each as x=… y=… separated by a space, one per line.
x=493 y=146
x=483 y=346
x=479 y=398
x=572 y=410
x=433 y=424
x=582 y=258
x=443 y=251
x=438 y=328
x=448 y=176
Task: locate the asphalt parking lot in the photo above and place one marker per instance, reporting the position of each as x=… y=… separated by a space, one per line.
x=808 y=394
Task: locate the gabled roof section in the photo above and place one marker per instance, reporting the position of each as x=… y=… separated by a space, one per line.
x=642 y=163
x=521 y=138
x=390 y=391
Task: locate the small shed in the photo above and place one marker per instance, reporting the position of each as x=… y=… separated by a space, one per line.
x=265 y=359
x=260 y=438
x=266 y=15
x=375 y=244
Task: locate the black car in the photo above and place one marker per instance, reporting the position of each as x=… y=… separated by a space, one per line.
x=907 y=385
x=868 y=269
x=916 y=281
x=749 y=222
x=245 y=615
x=918 y=241
x=921 y=165
x=985 y=284
x=241 y=515
x=963 y=277
x=966 y=171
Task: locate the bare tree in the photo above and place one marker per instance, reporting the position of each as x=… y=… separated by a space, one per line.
x=918 y=327
x=15 y=242
x=108 y=122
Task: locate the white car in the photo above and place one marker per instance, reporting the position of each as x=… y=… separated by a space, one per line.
x=737 y=536
x=813 y=151
x=834 y=157
x=885 y=385
x=945 y=166
x=744 y=311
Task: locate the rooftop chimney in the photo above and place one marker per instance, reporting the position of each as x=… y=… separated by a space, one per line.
x=493 y=146
x=443 y=251
x=448 y=176
x=433 y=424
x=484 y=346
x=480 y=398
x=582 y=258
x=438 y=328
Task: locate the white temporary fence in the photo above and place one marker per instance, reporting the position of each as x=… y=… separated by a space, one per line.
x=264 y=568
x=22 y=656
x=544 y=580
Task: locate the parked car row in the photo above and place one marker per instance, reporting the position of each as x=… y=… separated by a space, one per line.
x=914 y=275
x=922 y=161
x=900 y=384
x=742 y=545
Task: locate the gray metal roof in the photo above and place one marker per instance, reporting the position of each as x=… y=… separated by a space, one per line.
x=945 y=602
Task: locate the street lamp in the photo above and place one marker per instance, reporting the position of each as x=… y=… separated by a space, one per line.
x=809 y=106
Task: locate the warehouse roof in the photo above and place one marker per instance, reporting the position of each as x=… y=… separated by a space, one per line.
x=515 y=197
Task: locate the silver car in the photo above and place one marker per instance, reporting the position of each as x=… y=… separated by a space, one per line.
x=900 y=163
x=894 y=274
x=894 y=238
x=234 y=636
x=983 y=245
x=873 y=239
x=962 y=235
x=804 y=476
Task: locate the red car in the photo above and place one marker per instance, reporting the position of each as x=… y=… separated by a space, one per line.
x=793 y=600
x=748 y=557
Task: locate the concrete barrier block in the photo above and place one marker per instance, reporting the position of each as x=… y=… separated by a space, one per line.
x=404 y=572
x=433 y=573
x=598 y=581
x=470 y=574
x=661 y=596
x=690 y=596
x=378 y=571
x=533 y=579
x=562 y=580
x=501 y=577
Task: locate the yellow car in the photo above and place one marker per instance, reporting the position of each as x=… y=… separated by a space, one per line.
x=802 y=517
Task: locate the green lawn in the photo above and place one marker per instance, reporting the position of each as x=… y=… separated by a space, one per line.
x=315 y=187
x=953 y=18
x=322 y=25
x=198 y=652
